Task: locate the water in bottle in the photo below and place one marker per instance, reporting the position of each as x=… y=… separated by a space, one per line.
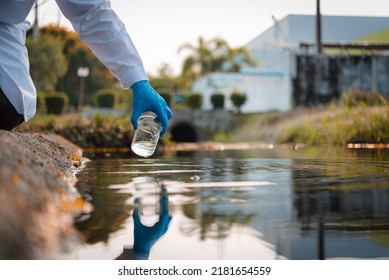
x=146 y=137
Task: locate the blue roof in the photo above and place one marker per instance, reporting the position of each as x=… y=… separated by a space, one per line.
x=302 y=28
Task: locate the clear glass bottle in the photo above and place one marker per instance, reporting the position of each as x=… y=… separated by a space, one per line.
x=147 y=196
x=146 y=137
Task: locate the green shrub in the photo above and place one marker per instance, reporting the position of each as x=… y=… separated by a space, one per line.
x=217 y=100
x=238 y=99
x=56 y=102
x=194 y=100
x=123 y=99
x=167 y=97
x=354 y=97
x=41 y=102
x=98 y=119
x=106 y=98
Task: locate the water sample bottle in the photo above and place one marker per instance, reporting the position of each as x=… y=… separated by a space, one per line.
x=146 y=136
x=147 y=194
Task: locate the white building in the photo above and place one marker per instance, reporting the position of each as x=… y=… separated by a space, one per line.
x=259 y=86
x=269 y=86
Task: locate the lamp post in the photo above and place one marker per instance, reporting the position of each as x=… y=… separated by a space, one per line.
x=318 y=27
x=82 y=72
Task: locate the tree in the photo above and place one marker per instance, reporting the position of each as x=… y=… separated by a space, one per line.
x=47 y=62
x=217 y=100
x=199 y=59
x=238 y=98
x=212 y=56
x=77 y=54
x=165 y=83
x=232 y=59
x=194 y=100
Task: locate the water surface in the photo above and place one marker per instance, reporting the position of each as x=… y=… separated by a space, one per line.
x=313 y=203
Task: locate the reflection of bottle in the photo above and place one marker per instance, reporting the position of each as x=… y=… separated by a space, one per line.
x=146 y=137
x=147 y=199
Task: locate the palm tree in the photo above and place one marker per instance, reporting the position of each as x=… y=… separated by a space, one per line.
x=199 y=61
x=212 y=56
x=230 y=59
x=236 y=57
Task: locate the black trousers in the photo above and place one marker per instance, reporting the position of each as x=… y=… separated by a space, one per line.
x=9 y=118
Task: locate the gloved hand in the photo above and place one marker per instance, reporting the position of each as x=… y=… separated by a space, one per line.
x=145 y=98
x=144 y=236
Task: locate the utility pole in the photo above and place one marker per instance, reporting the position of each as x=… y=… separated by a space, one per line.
x=36 y=27
x=318 y=27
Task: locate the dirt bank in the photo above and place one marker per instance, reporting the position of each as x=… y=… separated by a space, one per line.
x=38 y=201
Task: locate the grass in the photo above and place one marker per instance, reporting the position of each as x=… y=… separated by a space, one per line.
x=330 y=125
x=99 y=132
x=357 y=118
x=338 y=126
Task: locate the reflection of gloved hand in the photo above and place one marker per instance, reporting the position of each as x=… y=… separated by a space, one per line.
x=144 y=236
x=145 y=98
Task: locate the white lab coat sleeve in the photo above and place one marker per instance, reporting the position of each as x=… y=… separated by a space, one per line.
x=15 y=79
x=103 y=31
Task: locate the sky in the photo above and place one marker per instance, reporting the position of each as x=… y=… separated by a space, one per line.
x=159 y=27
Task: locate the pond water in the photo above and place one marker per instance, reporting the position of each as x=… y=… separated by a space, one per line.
x=311 y=203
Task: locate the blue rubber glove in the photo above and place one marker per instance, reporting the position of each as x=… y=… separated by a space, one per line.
x=144 y=236
x=145 y=98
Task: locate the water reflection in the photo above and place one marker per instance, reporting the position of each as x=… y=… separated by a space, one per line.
x=305 y=204
x=336 y=199
x=213 y=209
x=151 y=218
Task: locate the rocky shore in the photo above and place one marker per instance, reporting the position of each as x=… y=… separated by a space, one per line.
x=38 y=200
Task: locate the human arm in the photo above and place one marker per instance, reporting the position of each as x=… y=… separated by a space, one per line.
x=145 y=236
x=103 y=31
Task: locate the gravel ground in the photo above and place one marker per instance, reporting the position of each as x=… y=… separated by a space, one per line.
x=38 y=201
